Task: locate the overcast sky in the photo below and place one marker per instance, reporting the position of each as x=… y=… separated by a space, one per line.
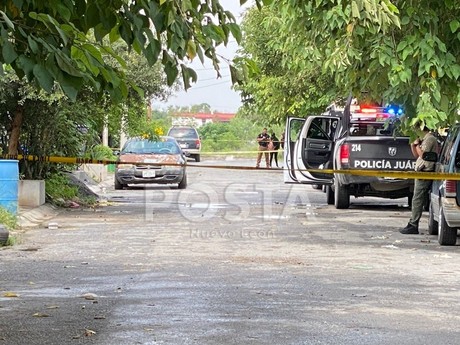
x=216 y=92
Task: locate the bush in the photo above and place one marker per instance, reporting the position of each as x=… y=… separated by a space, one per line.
x=59 y=189
x=101 y=152
x=62 y=191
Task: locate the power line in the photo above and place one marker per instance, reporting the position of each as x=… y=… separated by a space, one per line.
x=202 y=87
x=214 y=78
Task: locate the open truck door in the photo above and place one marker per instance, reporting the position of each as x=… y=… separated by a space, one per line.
x=309 y=144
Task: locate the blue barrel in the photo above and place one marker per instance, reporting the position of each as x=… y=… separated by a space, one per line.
x=9 y=176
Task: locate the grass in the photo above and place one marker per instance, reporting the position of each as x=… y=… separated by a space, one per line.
x=9 y=220
x=58 y=187
x=60 y=192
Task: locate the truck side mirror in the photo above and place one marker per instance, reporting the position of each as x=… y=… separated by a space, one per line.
x=430 y=156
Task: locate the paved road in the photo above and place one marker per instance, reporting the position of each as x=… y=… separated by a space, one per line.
x=236 y=258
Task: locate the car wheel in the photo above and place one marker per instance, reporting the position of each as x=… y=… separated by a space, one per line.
x=341 y=195
x=197 y=158
x=183 y=183
x=329 y=195
x=118 y=185
x=432 y=223
x=447 y=236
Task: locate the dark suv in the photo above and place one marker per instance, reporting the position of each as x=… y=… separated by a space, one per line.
x=444 y=218
x=188 y=139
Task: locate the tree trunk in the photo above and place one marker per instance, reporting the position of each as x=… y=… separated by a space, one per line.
x=15 y=130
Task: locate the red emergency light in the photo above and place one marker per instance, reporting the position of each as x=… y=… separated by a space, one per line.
x=375 y=113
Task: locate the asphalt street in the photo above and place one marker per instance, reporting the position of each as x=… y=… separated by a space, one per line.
x=238 y=257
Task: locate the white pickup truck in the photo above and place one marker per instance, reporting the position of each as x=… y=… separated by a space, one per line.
x=354 y=137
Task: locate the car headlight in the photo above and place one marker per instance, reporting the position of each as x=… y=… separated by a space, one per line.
x=125 y=166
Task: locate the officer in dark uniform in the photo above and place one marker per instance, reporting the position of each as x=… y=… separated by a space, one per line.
x=263 y=139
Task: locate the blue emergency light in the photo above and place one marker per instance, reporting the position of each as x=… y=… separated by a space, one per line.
x=394 y=110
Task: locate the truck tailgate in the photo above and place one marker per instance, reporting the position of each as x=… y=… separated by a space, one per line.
x=379 y=153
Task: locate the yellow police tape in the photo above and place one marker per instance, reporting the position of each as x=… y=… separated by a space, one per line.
x=391 y=174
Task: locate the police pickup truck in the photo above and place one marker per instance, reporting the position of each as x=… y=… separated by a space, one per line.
x=353 y=137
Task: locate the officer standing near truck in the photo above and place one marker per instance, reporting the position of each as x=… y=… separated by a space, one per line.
x=421 y=187
x=263 y=139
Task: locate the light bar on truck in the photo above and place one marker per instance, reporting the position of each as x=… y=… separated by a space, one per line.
x=372 y=113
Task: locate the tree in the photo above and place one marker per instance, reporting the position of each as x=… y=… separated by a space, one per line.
x=76 y=126
x=276 y=88
x=20 y=102
x=200 y=108
x=405 y=51
x=63 y=41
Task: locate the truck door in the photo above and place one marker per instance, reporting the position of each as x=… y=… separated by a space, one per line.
x=311 y=147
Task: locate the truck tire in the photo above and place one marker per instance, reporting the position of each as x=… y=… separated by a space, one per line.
x=341 y=196
x=118 y=185
x=198 y=158
x=329 y=195
x=183 y=183
x=447 y=236
x=432 y=223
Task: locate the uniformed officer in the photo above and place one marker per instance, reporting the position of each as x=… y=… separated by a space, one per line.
x=421 y=187
x=263 y=139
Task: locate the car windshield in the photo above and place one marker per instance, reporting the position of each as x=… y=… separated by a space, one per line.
x=163 y=146
x=182 y=133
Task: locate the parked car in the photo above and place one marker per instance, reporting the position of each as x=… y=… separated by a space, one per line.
x=188 y=139
x=444 y=209
x=146 y=161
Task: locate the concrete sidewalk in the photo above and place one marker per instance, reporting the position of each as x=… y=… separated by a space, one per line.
x=32 y=217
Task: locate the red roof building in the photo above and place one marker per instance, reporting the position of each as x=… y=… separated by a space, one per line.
x=200 y=119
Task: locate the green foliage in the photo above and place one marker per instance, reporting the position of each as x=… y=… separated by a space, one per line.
x=405 y=52
x=65 y=41
x=58 y=186
x=148 y=129
x=75 y=127
x=101 y=152
x=8 y=219
x=12 y=240
x=276 y=89
x=237 y=135
x=61 y=192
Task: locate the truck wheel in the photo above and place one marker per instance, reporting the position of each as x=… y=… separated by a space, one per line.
x=118 y=185
x=432 y=223
x=341 y=195
x=183 y=183
x=447 y=236
x=329 y=195
x=197 y=158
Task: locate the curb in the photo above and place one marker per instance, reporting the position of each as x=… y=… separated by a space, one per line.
x=32 y=217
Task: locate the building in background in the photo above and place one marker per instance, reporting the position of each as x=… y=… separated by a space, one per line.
x=200 y=119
